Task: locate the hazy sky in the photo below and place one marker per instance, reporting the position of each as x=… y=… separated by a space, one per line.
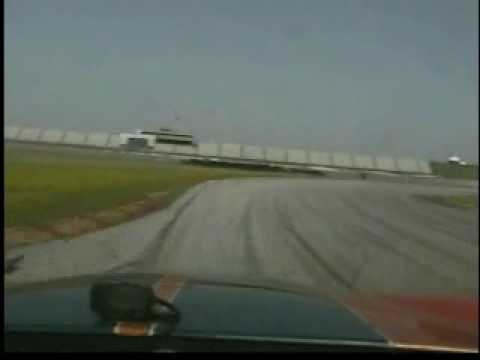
x=377 y=77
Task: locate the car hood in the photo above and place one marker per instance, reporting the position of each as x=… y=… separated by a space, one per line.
x=235 y=311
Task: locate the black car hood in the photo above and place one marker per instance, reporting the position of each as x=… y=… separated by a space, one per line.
x=208 y=310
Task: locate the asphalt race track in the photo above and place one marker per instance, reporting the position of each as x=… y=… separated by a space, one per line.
x=337 y=236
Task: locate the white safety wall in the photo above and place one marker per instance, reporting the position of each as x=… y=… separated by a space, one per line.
x=253 y=152
x=296 y=156
x=11 y=132
x=231 y=150
x=424 y=167
x=342 y=159
x=250 y=152
x=114 y=141
x=385 y=163
x=275 y=154
x=208 y=150
x=363 y=161
x=74 y=138
x=185 y=149
x=51 y=136
x=164 y=148
x=97 y=139
x=29 y=134
x=320 y=158
x=407 y=165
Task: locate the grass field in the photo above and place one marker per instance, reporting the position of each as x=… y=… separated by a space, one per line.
x=453 y=171
x=464 y=201
x=44 y=184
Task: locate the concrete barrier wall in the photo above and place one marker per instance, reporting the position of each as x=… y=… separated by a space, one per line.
x=319 y=158
x=297 y=156
x=29 y=134
x=385 y=163
x=97 y=139
x=407 y=165
x=165 y=148
x=51 y=136
x=363 y=162
x=424 y=167
x=11 y=132
x=74 y=138
x=250 y=152
x=208 y=149
x=253 y=152
x=275 y=154
x=114 y=141
x=231 y=150
x=185 y=150
x=342 y=160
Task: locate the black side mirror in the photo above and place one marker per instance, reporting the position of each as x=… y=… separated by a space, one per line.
x=116 y=301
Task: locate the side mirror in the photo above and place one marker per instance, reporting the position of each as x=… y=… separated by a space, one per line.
x=116 y=301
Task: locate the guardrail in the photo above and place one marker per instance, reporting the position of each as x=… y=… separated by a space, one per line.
x=231 y=152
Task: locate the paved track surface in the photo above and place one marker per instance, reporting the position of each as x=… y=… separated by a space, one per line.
x=336 y=236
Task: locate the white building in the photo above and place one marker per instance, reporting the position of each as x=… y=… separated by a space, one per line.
x=137 y=140
x=454 y=159
x=142 y=139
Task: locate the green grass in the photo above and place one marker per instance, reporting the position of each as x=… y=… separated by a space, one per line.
x=463 y=201
x=44 y=184
x=454 y=171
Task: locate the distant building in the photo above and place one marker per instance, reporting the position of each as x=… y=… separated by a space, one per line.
x=136 y=141
x=146 y=139
x=453 y=159
x=456 y=160
x=168 y=136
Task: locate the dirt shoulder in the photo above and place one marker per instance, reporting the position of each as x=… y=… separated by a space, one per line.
x=20 y=236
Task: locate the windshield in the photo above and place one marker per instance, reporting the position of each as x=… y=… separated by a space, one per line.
x=326 y=145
